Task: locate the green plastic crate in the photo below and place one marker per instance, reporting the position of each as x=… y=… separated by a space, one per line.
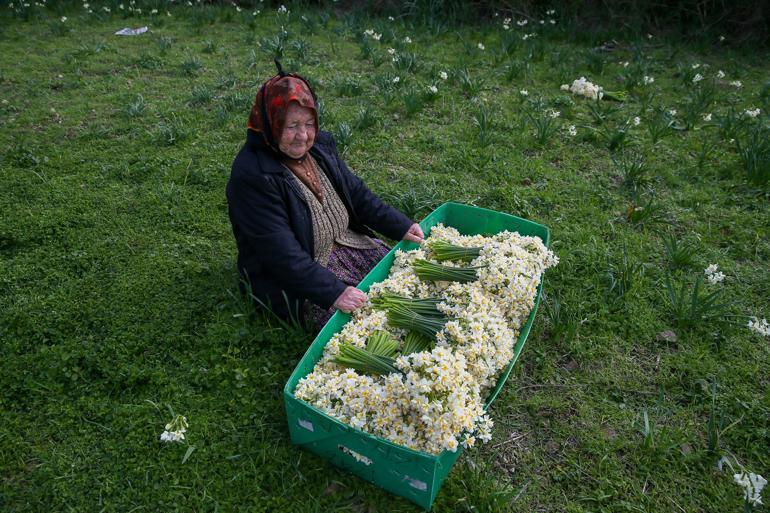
x=412 y=474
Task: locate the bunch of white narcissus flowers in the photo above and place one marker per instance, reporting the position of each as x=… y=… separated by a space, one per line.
x=436 y=402
x=583 y=87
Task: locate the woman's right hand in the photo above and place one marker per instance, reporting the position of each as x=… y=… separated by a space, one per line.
x=350 y=299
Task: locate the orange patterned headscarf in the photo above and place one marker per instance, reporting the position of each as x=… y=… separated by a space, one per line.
x=268 y=114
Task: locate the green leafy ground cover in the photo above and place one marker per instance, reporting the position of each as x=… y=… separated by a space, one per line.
x=118 y=293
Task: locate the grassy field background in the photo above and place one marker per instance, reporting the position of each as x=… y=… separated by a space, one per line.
x=119 y=299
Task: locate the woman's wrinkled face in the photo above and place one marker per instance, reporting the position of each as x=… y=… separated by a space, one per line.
x=298 y=131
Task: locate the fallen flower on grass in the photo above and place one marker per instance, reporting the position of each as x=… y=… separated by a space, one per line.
x=175 y=429
x=752 y=485
x=760 y=326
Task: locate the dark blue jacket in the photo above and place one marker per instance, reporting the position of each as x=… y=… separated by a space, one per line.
x=273 y=228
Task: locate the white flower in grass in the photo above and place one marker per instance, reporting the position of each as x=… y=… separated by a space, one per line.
x=720 y=74
x=106 y=9
x=396 y=80
x=736 y=84
x=711 y=269
x=521 y=23
x=752 y=486
x=524 y=92
x=637 y=121
x=154 y=11
x=697 y=78
x=443 y=75
x=572 y=130
x=550 y=12
x=721 y=38
x=407 y=40
x=391 y=18
x=695 y=66
x=481 y=46
x=376 y=36
x=715 y=278
x=564 y=87
x=554 y=113
x=282 y=9
x=433 y=89
x=760 y=326
x=752 y=113
x=237 y=9
x=175 y=430
x=63 y=19
x=506 y=26
x=552 y=22
x=707 y=117
x=392 y=51
x=625 y=64
x=648 y=80
x=672 y=112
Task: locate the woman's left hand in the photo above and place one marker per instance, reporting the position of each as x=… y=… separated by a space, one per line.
x=414 y=234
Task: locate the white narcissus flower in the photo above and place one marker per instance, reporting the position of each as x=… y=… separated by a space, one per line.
x=648 y=80
x=572 y=130
x=583 y=87
x=711 y=269
x=524 y=92
x=697 y=78
x=720 y=74
x=752 y=113
x=481 y=46
x=707 y=117
x=564 y=87
x=752 y=486
x=672 y=112
x=407 y=40
x=63 y=19
x=433 y=89
x=443 y=75
x=760 y=326
x=396 y=80
x=737 y=84
x=715 y=278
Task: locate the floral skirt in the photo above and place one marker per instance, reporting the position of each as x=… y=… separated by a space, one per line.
x=350 y=265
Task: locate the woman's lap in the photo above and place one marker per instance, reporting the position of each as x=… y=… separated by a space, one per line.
x=350 y=265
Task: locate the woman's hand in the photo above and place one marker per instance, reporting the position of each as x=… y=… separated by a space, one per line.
x=350 y=299
x=414 y=234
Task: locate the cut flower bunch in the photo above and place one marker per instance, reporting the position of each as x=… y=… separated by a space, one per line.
x=416 y=363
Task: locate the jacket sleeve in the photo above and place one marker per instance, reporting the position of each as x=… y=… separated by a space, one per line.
x=260 y=213
x=371 y=210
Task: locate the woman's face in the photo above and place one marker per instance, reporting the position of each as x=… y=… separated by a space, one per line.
x=298 y=131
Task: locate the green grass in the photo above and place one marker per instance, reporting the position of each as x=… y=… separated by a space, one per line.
x=118 y=292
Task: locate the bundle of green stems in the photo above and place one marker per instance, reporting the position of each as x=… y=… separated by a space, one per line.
x=429 y=271
x=416 y=343
x=382 y=343
x=420 y=315
x=364 y=360
x=442 y=250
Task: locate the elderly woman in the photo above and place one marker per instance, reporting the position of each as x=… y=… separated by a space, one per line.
x=302 y=221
